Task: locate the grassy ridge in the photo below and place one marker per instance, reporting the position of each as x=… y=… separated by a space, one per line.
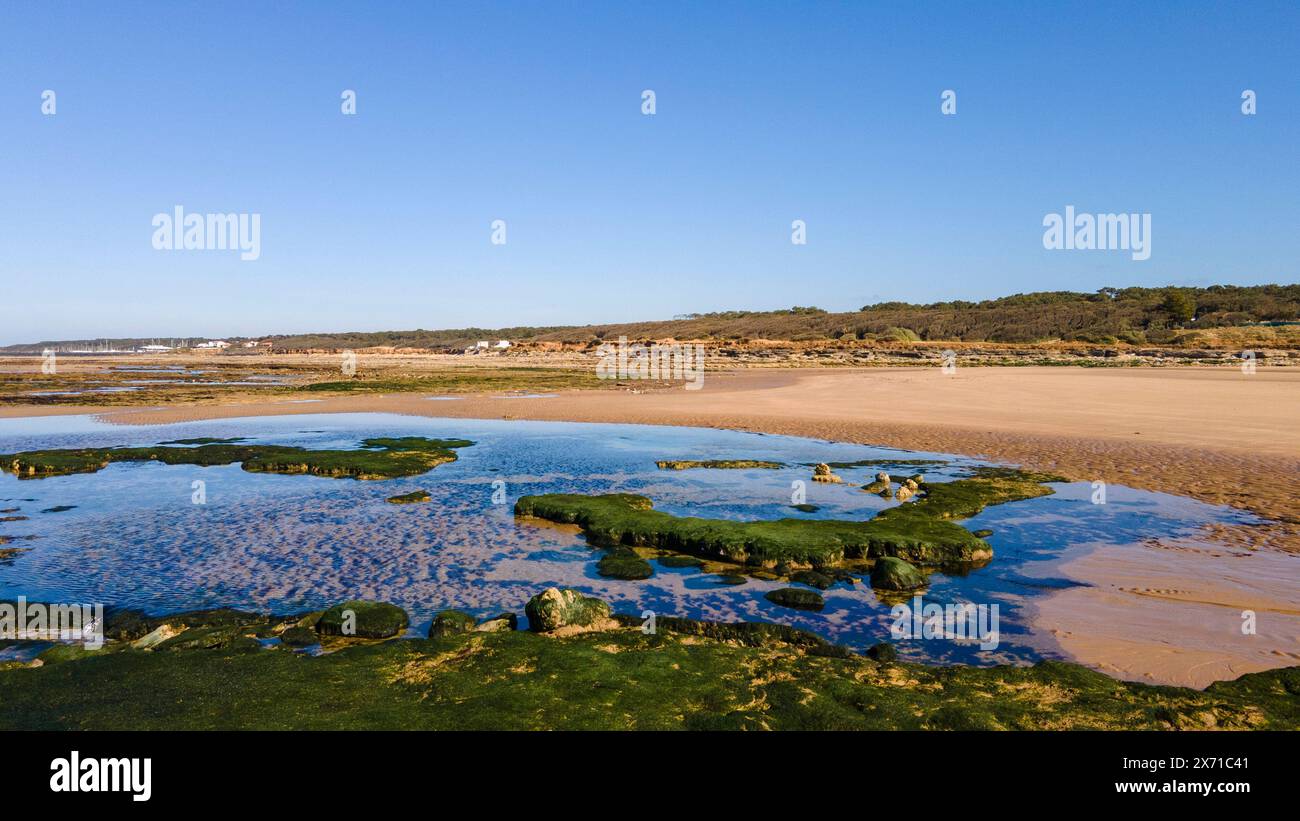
x=921 y=532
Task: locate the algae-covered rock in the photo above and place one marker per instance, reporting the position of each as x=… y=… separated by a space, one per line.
x=298 y=637
x=730 y=579
x=503 y=623
x=555 y=609
x=891 y=573
x=796 y=598
x=982 y=533
x=883 y=477
x=624 y=563
x=879 y=488
x=812 y=578
x=718 y=464
x=804 y=507
x=412 y=498
x=450 y=623
x=904 y=493
x=363 y=619
x=680 y=561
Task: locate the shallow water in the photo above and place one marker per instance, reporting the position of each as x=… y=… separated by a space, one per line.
x=135 y=537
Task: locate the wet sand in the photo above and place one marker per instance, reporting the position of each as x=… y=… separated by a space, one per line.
x=1214 y=434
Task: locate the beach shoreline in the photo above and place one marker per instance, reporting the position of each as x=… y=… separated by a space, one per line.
x=1218 y=435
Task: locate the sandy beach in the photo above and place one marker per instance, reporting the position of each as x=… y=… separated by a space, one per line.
x=1216 y=434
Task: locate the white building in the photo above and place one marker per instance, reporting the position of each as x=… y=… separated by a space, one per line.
x=502 y=344
x=483 y=343
x=214 y=343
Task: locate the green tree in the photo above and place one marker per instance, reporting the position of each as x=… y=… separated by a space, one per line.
x=1180 y=305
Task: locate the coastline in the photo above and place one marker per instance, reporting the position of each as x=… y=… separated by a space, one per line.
x=1215 y=435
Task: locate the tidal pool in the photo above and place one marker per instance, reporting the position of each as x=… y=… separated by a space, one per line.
x=133 y=535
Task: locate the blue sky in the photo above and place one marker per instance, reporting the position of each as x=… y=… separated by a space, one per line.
x=531 y=113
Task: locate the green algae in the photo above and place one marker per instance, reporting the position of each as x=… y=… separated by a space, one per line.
x=205 y=440
x=623 y=563
x=921 y=532
x=796 y=598
x=414 y=497
x=890 y=573
x=686 y=675
x=718 y=464
x=377 y=458
x=363 y=619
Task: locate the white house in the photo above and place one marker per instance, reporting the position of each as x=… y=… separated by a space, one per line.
x=502 y=344
x=482 y=343
x=214 y=343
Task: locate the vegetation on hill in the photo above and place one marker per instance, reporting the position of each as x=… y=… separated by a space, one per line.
x=1136 y=316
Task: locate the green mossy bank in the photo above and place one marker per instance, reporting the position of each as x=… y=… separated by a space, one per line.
x=382 y=458
x=922 y=532
x=688 y=675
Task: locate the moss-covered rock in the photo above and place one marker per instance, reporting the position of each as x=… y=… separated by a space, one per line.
x=796 y=598
x=412 y=498
x=922 y=532
x=730 y=579
x=376 y=459
x=812 y=578
x=680 y=561
x=878 y=488
x=554 y=609
x=890 y=573
x=804 y=507
x=718 y=464
x=451 y=623
x=363 y=619
x=622 y=563
x=298 y=637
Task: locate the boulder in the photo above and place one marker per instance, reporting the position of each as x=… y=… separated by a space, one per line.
x=730 y=578
x=796 y=598
x=298 y=637
x=363 y=619
x=554 y=609
x=881 y=488
x=451 y=623
x=882 y=476
x=892 y=573
x=503 y=623
x=812 y=578
x=904 y=493
x=822 y=473
x=624 y=563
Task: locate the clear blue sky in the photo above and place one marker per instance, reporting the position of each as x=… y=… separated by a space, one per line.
x=530 y=112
